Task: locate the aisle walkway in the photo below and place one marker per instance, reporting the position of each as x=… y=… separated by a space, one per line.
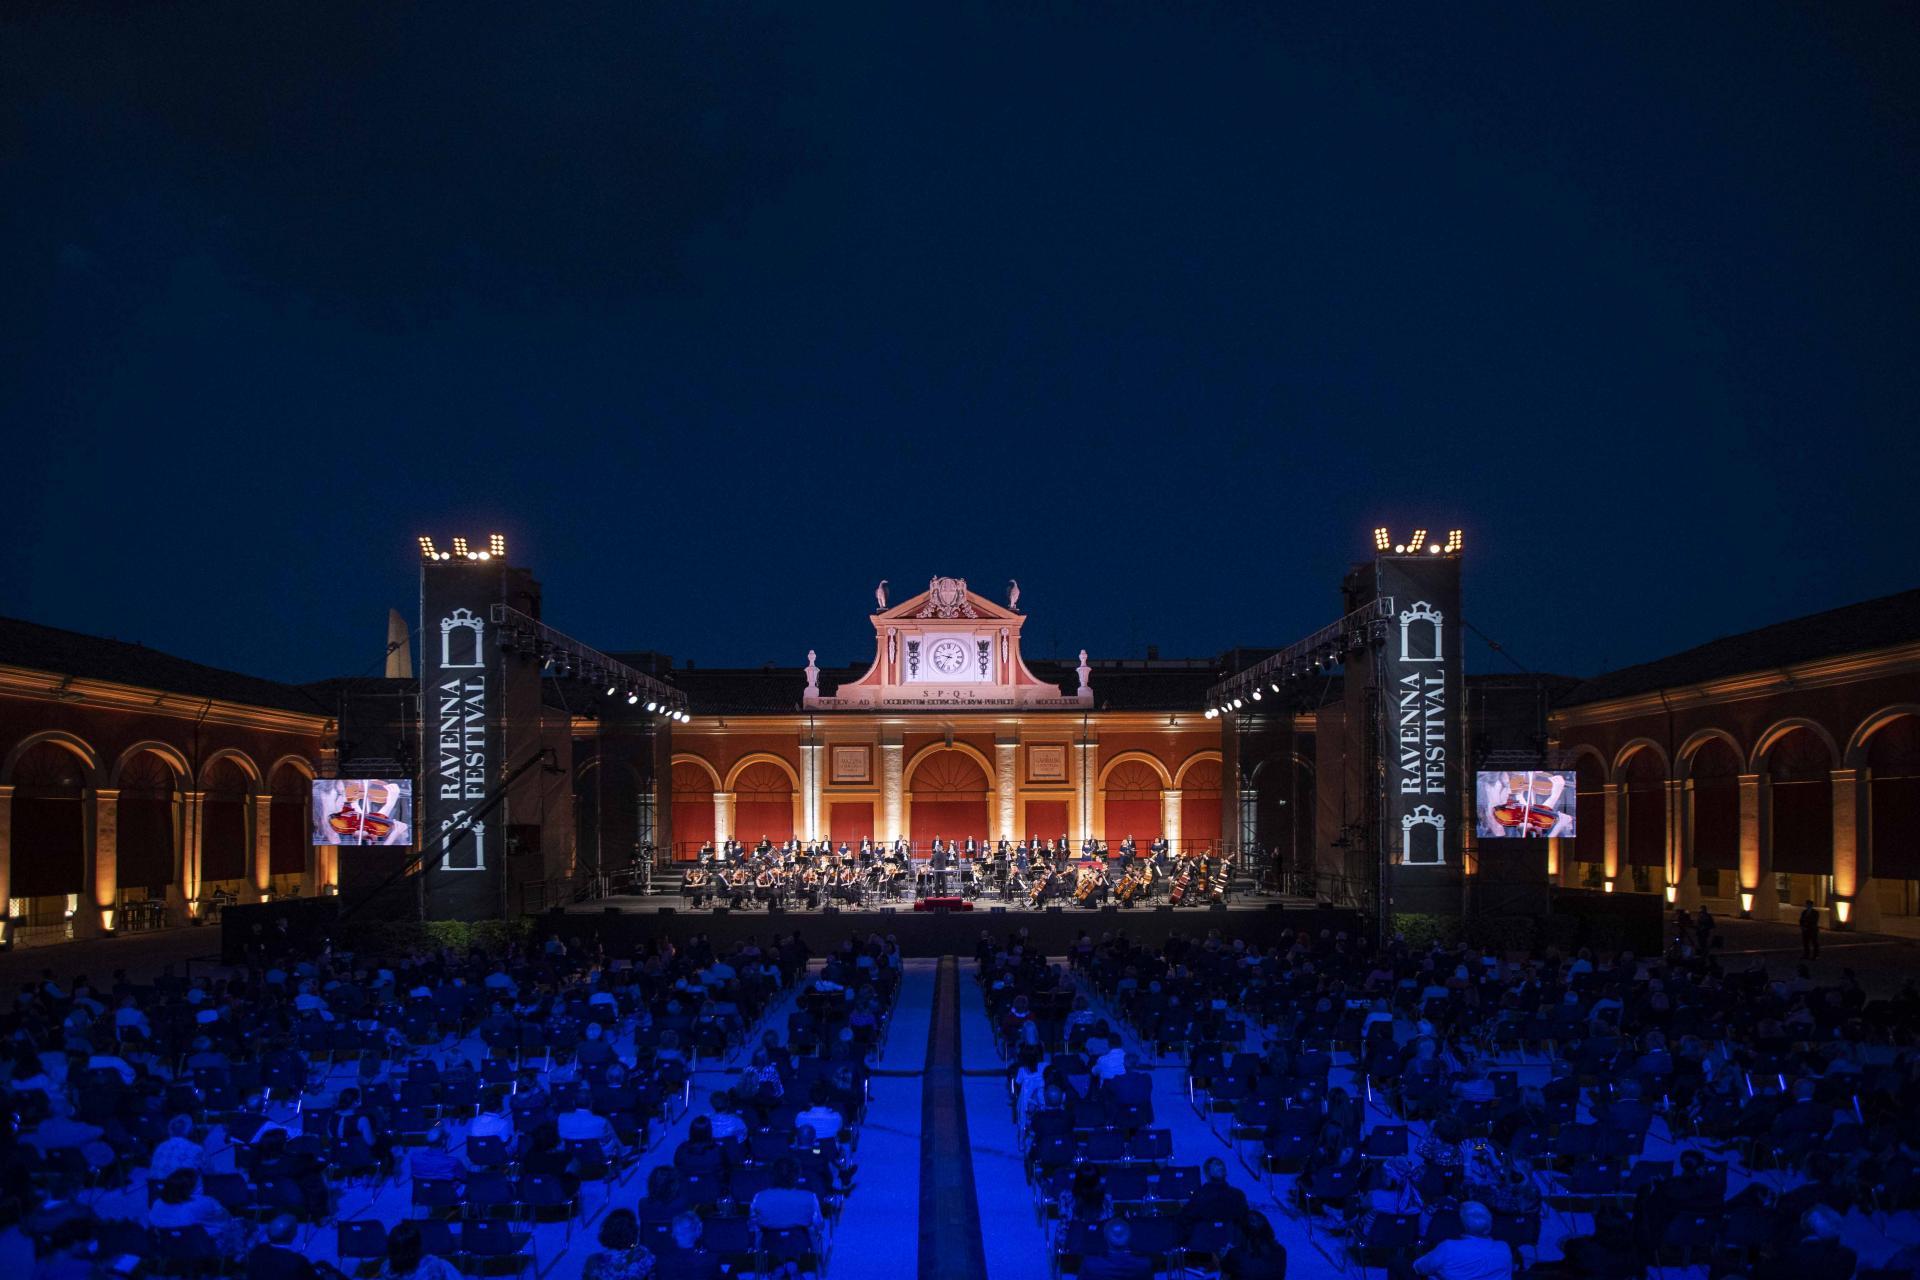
x=873 y=1240
x=1015 y=1243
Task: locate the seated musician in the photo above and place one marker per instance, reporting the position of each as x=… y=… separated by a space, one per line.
x=705 y=857
x=1127 y=846
x=698 y=885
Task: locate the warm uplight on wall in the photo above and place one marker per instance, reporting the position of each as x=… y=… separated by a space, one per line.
x=1609 y=884
x=1842 y=909
x=1673 y=894
x=1746 y=902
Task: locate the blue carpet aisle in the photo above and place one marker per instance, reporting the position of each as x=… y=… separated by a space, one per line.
x=875 y=1237
x=950 y=1231
x=1015 y=1242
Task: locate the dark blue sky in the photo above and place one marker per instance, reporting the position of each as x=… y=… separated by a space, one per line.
x=723 y=313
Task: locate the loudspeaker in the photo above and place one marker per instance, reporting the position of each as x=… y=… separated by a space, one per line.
x=1107 y=909
x=1053 y=911
x=1164 y=909
x=887 y=911
x=776 y=911
x=832 y=910
x=996 y=911
x=666 y=911
x=1216 y=906
x=721 y=911
x=1276 y=906
x=609 y=911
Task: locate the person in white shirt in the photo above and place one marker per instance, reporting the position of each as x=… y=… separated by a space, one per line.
x=1110 y=1064
x=1474 y=1256
x=727 y=1126
x=821 y=1117
x=583 y=1125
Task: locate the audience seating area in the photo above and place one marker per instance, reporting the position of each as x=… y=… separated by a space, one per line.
x=334 y=1115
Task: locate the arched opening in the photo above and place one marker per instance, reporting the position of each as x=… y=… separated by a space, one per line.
x=1799 y=768
x=1590 y=819
x=146 y=832
x=1200 y=818
x=1644 y=779
x=289 y=837
x=1893 y=800
x=762 y=804
x=49 y=839
x=1133 y=803
x=692 y=809
x=224 y=857
x=1715 y=770
x=949 y=799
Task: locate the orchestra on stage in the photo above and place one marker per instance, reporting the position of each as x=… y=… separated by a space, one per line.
x=1034 y=873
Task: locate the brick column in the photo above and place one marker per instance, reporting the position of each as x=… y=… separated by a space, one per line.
x=1559 y=855
x=184 y=893
x=1614 y=806
x=1680 y=845
x=1756 y=847
x=1082 y=792
x=1170 y=817
x=811 y=790
x=722 y=817
x=104 y=894
x=1853 y=849
x=6 y=862
x=260 y=819
x=893 y=764
x=1006 y=782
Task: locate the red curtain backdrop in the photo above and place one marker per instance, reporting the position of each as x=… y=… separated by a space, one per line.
x=754 y=819
x=1130 y=814
x=146 y=842
x=1133 y=803
x=1893 y=756
x=287 y=836
x=692 y=810
x=1200 y=818
x=948 y=819
x=223 y=842
x=1802 y=805
x=692 y=824
x=763 y=804
x=1046 y=819
x=851 y=821
x=48 y=856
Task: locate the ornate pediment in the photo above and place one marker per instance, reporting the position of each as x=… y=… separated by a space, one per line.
x=945 y=648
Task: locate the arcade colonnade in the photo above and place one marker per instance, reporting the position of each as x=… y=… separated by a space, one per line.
x=1027 y=777
x=85 y=834
x=1822 y=806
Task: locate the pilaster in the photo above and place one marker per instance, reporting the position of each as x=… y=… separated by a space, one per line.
x=104 y=893
x=893 y=763
x=1756 y=848
x=1853 y=851
x=1614 y=806
x=1170 y=817
x=260 y=814
x=722 y=817
x=1006 y=784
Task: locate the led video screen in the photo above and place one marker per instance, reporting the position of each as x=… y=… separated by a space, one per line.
x=1523 y=802
x=362 y=811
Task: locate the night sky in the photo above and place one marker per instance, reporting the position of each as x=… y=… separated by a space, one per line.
x=723 y=313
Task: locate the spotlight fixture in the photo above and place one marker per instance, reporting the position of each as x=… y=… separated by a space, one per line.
x=1433 y=548
x=1413 y=543
x=611 y=688
x=1380 y=540
x=426 y=548
x=1256 y=695
x=652 y=705
x=632 y=698
x=1454 y=541
x=1399 y=548
x=1237 y=704
x=460 y=547
x=497 y=544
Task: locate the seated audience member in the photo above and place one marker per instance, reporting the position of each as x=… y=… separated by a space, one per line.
x=433 y=1162
x=663 y=1201
x=621 y=1255
x=699 y=1153
x=1608 y=1254
x=1216 y=1199
x=1473 y=1256
x=821 y=1117
x=1257 y=1254
x=1119 y=1262
x=180 y=1203
x=275 y=1258
x=583 y=1124
x=1816 y=1255
x=786 y=1204
x=1086 y=1199
x=177 y=1150
x=407 y=1256
x=689 y=1259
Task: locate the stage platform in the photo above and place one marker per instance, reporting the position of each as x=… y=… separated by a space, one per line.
x=944 y=931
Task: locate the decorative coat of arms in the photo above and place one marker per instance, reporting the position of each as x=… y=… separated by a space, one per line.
x=947 y=598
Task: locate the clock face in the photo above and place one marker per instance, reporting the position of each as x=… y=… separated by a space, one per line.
x=948 y=656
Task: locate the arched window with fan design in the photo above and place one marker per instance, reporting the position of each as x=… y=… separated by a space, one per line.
x=949 y=798
x=762 y=804
x=1133 y=803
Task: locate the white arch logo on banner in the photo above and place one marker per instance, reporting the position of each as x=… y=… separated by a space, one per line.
x=1423 y=816
x=457 y=620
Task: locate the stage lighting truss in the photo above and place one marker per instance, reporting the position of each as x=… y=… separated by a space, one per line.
x=1384 y=544
x=564 y=658
x=1304 y=661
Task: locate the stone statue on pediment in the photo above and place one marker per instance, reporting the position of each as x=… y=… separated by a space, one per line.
x=1013 y=595
x=880 y=597
x=1085 y=670
x=813 y=673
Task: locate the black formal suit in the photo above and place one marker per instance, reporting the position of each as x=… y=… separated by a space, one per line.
x=1215 y=1202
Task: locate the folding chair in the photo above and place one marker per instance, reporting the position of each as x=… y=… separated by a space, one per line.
x=363 y=1241
x=487 y=1244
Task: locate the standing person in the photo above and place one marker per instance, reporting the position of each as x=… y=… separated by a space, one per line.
x=1810 y=932
x=1703 y=930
